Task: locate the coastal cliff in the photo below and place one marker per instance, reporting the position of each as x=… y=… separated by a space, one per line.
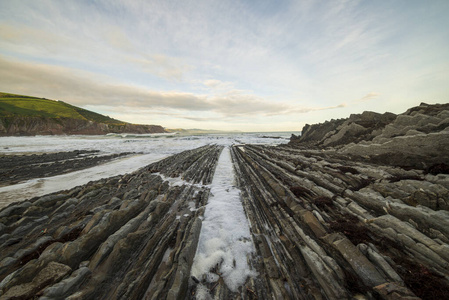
x=25 y=115
x=24 y=126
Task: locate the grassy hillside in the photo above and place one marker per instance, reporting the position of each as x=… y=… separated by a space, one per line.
x=11 y=105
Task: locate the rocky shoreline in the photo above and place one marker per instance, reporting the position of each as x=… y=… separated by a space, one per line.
x=123 y=237
x=417 y=138
x=17 y=168
x=342 y=212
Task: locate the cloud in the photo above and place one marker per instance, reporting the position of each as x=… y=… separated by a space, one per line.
x=199 y=119
x=368 y=96
x=117 y=39
x=84 y=88
x=166 y=67
x=120 y=49
x=212 y=83
x=215 y=84
x=30 y=40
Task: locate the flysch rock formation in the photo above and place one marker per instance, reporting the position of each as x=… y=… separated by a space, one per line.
x=328 y=228
x=17 y=168
x=327 y=222
x=125 y=237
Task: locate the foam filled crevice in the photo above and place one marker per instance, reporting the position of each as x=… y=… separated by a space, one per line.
x=225 y=240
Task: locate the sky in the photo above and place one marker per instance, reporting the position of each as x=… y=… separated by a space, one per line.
x=266 y=65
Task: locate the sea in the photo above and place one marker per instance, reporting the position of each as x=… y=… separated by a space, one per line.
x=147 y=149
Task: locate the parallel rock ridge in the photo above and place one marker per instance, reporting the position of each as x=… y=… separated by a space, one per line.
x=325 y=226
x=326 y=223
x=125 y=237
x=16 y=168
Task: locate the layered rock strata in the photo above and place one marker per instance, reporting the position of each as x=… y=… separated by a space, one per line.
x=16 y=168
x=323 y=228
x=326 y=223
x=125 y=237
x=328 y=228
x=418 y=138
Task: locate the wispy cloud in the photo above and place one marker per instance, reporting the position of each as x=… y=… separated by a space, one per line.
x=218 y=85
x=367 y=97
x=60 y=47
x=229 y=59
x=161 y=65
x=79 y=88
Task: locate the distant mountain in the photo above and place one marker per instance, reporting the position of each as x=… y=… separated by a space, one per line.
x=25 y=115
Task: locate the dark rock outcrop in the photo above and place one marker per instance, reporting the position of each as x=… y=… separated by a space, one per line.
x=356 y=128
x=417 y=138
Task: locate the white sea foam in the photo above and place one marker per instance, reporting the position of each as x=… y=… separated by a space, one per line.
x=225 y=239
x=43 y=186
x=146 y=144
x=151 y=148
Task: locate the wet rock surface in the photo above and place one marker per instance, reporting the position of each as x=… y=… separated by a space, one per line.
x=125 y=237
x=325 y=223
x=16 y=168
x=323 y=227
x=332 y=228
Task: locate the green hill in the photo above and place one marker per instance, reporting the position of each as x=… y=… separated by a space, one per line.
x=13 y=105
x=25 y=115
